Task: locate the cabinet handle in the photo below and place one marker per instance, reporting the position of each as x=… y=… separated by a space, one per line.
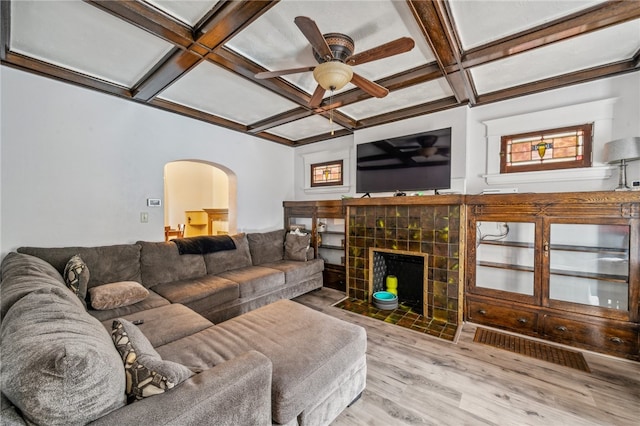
x=561 y=328
x=482 y=312
x=616 y=340
x=545 y=248
x=522 y=320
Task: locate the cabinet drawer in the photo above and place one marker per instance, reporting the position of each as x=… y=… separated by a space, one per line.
x=614 y=338
x=330 y=211
x=335 y=278
x=502 y=316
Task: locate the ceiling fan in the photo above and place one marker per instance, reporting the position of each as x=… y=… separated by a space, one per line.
x=334 y=53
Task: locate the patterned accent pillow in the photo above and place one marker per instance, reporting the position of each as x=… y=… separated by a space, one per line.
x=146 y=374
x=76 y=276
x=296 y=247
x=116 y=295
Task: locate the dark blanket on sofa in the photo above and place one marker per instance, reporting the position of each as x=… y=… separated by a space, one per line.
x=204 y=244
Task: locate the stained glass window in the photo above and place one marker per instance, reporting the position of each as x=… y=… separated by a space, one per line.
x=551 y=149
x=326 y=174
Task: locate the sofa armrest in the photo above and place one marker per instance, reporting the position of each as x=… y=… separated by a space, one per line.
x=236 y=392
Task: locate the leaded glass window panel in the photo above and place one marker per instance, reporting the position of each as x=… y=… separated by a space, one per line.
x=551 y=149
x=326 y=174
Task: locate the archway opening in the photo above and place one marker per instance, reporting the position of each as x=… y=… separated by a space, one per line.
x=202 y=196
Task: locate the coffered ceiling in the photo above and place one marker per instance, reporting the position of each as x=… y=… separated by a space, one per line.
x=199 y=58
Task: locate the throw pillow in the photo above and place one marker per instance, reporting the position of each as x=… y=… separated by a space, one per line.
x=146 y=374
x=266 y=247
x=296 y=246
x=116 y=295
x=76 y=276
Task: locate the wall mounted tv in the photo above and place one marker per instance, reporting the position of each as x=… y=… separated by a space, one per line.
x=407 y=163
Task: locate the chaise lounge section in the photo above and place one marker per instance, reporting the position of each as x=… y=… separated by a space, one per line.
x=276 y=362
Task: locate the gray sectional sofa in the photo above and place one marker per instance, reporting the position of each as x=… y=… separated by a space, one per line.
x=213 y=339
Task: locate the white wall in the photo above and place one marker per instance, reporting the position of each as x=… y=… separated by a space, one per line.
x=470 y=156
x=78 y=166
x=625 y=92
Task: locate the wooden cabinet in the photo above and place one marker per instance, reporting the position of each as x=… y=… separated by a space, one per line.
x=325 y=220
x=196 y=223
x=564 y=267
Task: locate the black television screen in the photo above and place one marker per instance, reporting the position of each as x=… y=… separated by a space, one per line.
x=406 y=163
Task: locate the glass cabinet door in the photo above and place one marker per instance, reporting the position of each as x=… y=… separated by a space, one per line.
x=589 y=264
x=505 y=256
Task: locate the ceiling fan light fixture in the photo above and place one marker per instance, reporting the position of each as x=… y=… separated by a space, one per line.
x=332 y=75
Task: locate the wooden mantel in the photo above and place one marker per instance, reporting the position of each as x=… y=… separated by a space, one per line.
x=216 y=215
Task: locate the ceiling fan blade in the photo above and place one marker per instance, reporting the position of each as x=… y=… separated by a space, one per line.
x=374 y=89
x=316 y=98
x=395 y=47
x=271 y=74
x=315 y=37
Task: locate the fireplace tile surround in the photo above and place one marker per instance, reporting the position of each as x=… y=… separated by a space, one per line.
x=429 y=225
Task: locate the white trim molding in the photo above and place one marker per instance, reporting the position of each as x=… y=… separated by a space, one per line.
x=596 y=172
x=322 y=157
x=599 y=112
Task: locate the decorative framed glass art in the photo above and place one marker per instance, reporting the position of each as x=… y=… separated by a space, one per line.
x=563 y=148
x=327 y=174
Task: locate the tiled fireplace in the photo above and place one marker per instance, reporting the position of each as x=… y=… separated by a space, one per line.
x=405 y=225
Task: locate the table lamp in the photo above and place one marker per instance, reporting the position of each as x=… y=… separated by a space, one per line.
x=621 y=151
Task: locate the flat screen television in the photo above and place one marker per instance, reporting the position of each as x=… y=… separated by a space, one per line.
x=407 y=163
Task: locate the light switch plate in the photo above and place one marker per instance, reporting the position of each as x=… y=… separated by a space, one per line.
x=144 y=217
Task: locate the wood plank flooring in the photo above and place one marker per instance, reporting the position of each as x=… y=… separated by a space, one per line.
x=417 y=379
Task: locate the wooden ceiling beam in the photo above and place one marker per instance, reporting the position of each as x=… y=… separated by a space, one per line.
x=46 y=69
x=414 y=111
x=276 y=139
x=169 y=70
x=143 y=15
x=197 y=114
x=434 y=20
x=323 y=137
x=229 y=18
x=559 y=81
x=279 y=119
x=242 y=66
x=225 y=20
x=593 y=19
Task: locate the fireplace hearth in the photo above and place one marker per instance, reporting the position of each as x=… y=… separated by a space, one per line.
x=410 y=270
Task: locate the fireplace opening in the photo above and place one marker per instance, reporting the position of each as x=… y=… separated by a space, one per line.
x=410 y=271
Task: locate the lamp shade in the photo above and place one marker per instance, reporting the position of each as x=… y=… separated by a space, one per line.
x=622 y=149
x=332 y=75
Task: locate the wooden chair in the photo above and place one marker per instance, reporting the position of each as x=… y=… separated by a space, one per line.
x=174 y=233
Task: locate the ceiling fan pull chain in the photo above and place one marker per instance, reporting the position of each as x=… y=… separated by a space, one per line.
x=331 y=111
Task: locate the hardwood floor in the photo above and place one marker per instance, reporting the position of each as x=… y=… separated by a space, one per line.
x=417 y=379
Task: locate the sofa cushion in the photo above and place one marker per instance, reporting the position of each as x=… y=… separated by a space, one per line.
x=255 y=280
x=22 y=274
x=214 y=288
x=296 y=272
x=146 y=374
x=296 y=247
x=309 y=350
x=59 y=365
x=167 y=323
x=76 y=277
x=154 y=300
x=223 y=261
x=107 y=264
x=116 y=295
x=266 y=246
x=161 y=263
